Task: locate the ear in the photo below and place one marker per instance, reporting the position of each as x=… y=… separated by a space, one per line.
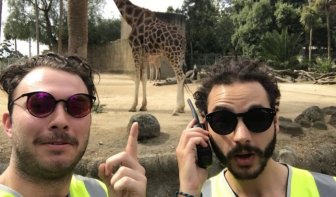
x=277 y=123
x=7 y=124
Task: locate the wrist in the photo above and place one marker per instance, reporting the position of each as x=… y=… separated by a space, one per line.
x=185 y=194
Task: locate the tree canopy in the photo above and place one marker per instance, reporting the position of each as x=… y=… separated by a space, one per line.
x=21 y=22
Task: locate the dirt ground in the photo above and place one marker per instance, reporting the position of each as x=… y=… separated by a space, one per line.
x=108 y=133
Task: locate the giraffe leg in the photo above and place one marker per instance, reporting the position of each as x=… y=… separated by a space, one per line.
x=179 y=108
x=144 y=84
x=136 y=91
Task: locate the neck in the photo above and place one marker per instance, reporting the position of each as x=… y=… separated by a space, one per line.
x=271 y=182
x=41 y=188
x=132 y=13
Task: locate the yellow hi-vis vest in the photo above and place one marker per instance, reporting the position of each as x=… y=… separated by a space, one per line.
x=300 y=183
x=80 y=187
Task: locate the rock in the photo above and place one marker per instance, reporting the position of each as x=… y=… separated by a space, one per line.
x=329 y=110
x=320 y=125
x=313 y=114
x=283 y=119
x=286 y=155
x=149 y=126
x=332 y=120
x=303 y=121
x=291 y=128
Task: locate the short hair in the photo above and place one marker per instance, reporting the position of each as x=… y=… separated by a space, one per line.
x=237 y=71
x=12 y=75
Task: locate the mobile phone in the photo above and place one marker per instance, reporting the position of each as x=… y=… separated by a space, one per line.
x=204 y=154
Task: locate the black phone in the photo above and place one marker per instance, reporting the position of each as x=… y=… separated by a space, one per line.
x=204 y=154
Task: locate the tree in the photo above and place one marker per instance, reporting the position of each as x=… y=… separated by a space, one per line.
x=60 y=28
x=104 y=30
x=251 y=20
x=201 y=21
x=37 y=25
x=78 y=27
x=281 y=48
x=0 y=15
x=287 y=16
x=309 y=19
x=224 y=31
x=324 y=6
x=23 y=13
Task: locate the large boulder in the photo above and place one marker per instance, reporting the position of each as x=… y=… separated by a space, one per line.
x=309 y=116
x=149 y=126
x=289 y=127
x=329 y=110
x=332 y=120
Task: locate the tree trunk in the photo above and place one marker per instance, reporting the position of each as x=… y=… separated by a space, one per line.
x=328 y=30
x=78 y=27
x=310 y=43
x=0 y=15
x=37 y=28
x=60 y=29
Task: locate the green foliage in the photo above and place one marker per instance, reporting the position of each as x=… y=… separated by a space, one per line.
x=309 y=17
x=323 y=64
x=281 y=48
x=251 y=20
x=104 y=31
x=287 y=16
x=202 y=17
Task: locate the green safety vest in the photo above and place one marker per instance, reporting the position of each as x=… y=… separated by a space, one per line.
x=80 y=187
x=301 y=183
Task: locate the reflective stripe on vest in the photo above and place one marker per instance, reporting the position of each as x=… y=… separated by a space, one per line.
x=87 y=187
x=301 y=183
x=8 y=192
x=80 y=187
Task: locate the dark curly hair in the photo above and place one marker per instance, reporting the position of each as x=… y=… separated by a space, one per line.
x=237 y=71
x=12 y=75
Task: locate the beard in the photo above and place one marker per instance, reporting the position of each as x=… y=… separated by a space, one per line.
x=245 y=173
x=32 y=167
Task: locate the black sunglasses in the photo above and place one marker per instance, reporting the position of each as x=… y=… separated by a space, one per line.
x=42 y=104
x=256 y=120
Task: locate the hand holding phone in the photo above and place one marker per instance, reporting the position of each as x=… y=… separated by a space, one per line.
x=204 y=154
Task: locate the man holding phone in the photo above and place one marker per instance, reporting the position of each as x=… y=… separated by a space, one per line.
x=239 y=105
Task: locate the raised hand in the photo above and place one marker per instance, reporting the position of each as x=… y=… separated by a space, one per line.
x=191 y=176
x=122 y=173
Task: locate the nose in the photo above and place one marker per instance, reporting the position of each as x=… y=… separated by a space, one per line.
x=59 y=117
x=241 y=134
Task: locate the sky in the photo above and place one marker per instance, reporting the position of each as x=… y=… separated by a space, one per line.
x=110 y=11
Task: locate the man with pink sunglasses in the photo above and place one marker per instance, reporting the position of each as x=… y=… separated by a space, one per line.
x=239 y=104
x=50 y=98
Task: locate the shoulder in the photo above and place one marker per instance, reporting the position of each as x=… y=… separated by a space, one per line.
x=316 y=183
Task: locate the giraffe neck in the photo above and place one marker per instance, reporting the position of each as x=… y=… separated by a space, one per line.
x=133 y=14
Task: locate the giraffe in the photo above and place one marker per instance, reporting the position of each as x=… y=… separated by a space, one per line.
x=151 y=36
x=154 y=63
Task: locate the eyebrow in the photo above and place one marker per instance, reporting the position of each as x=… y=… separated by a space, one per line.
x=223 y=108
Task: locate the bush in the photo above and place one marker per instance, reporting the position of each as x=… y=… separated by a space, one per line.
x=323 y=64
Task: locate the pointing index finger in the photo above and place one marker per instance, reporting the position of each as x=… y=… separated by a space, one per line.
x=132 y=142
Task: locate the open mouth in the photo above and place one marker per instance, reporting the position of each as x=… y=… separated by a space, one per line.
x=244 y=159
